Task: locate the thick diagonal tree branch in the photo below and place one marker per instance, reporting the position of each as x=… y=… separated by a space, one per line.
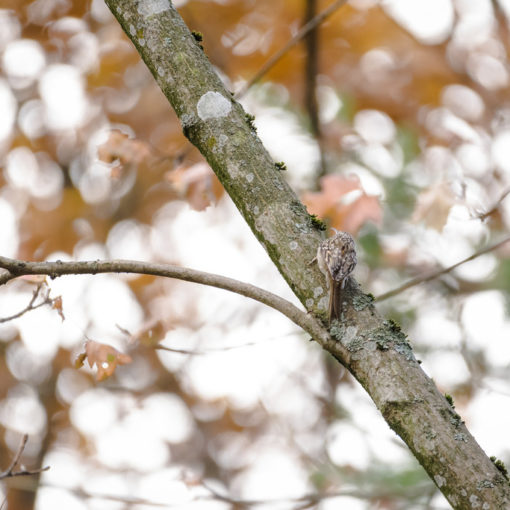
x=379 y=356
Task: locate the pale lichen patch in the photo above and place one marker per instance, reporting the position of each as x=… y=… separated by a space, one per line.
x=293 y=245
x=475 y=501
x=232 y=170
x=213 y=105
x=250 y=177
x=152 y=44
x=452 y=498
x=152 y=7
x=323 y=303
x=222 y=140
x=309 y=303
x=318 y=291
x=262 y=226
x=188 y=120
x=440 y=480
x=350 y=333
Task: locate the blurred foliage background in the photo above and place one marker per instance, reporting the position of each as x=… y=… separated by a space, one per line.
x=393 y=121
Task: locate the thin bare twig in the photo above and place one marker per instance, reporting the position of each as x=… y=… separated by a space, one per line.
x=16 y=457
x=10 y=472
x=494 y=208
x=303 y=501
x=46 y=301
x=222 y=349
x=303 y=31
x=440 y=272
x=192 y=352
x=307 y=322
x=211 y=495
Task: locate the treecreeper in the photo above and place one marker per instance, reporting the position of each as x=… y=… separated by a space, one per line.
x=337 y=259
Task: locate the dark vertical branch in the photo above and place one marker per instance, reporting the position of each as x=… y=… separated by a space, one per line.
x=311 y=70
x=314 y=22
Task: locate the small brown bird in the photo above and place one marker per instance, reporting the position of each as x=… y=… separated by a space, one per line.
x=337 y=259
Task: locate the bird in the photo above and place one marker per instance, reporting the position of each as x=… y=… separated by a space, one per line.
x=336 y=258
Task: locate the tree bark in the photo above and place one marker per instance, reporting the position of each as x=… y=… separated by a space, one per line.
x=374 y=350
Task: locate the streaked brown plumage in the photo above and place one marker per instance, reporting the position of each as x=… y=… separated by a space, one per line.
x=337 y=259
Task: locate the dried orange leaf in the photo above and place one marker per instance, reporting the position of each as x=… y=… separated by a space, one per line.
x=116 y=172
x=197 y=184
x=57 y=304
x=120 y=147
x=105 y=358
x=344 y=202
x=80 y=360
x=433 y=206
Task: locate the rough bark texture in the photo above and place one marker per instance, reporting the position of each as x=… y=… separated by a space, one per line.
x=374 y=350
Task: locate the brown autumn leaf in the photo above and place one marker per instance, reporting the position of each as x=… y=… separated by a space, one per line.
x=105 y=357
x=80 y=360
x=433 y=206
x=120 y=147
x=344 y=202
x=57 y=304
x=197 y=184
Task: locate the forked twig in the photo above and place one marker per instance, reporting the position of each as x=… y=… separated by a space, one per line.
x=46 y=301
x=494 y=208
x=10 y=472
